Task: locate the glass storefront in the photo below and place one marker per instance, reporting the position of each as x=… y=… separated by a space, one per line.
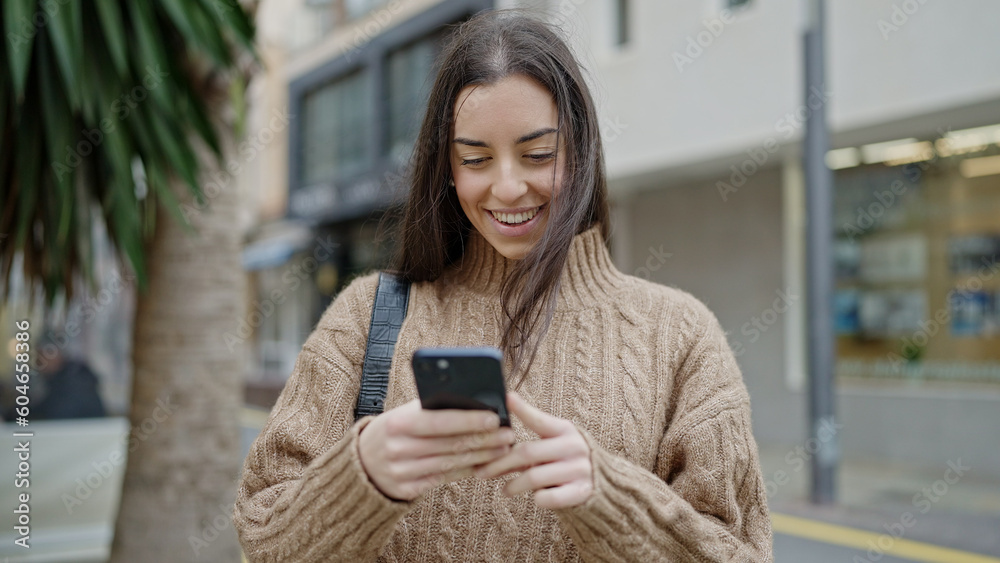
x=918 y=258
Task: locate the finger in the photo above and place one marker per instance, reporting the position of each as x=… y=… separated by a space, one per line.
x=527 y=454
x=548 y=475
x=460 y=444
x=542 y=423
x=565 y=496
x=446 y=422
x=443 y=464
x=420 y=486
x=409 y=447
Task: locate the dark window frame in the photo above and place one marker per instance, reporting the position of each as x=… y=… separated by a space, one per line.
x=370 y=58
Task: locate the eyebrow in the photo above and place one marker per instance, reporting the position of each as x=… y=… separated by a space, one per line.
x=522 y=139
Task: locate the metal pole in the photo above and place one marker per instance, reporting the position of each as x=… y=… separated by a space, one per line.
x=819 y=266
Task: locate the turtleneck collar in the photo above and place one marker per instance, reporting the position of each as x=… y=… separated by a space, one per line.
x=588 y=275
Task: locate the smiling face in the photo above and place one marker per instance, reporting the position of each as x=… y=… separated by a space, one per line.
x=503 y=156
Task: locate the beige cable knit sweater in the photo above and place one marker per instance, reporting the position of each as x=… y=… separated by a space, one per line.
x=643 y=370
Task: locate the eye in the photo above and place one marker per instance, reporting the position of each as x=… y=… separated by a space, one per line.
x=474 y=161
x=542 y=157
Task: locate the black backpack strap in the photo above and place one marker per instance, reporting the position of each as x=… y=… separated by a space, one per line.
x=388 y=312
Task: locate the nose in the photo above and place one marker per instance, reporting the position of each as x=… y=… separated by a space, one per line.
x=509 y=186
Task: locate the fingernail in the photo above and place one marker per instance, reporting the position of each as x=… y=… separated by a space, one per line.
x=491 y=420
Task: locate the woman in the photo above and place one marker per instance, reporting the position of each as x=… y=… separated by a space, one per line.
x=631 y=430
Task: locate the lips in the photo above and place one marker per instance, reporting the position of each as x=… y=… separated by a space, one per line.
x=523 y=220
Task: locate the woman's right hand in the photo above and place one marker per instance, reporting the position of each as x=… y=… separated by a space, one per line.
x=408 y=450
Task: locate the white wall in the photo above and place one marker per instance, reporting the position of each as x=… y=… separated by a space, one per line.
x=736 y=89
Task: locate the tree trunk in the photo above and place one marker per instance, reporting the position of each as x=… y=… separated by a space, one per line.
x=184 y=450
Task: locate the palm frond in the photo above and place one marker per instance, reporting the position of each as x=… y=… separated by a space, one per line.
x=90 y=91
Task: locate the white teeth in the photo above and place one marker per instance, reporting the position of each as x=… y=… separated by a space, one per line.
x=515 y=218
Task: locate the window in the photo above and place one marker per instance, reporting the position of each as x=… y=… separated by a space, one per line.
x=918 y=259
x=336 y=130
x=410 y=72
x=359 y=114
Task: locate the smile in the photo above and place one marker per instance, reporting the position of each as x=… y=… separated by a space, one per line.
x=515 y=218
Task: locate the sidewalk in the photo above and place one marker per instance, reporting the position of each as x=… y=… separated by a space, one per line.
x=898 y=503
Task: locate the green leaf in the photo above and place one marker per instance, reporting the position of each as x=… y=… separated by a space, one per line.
x=208 y=33
x=238 y=98
x=85 y=221
x=65 y=31
x=150 y=49
x=179 y=13
x=230 y=15
x=180 y=156
x=19 y=32
x=75 y=66
x=198 y=118
x=4 y=88
x=161 y=188
x=113 y=25
x=124 y=216
x=61 y=139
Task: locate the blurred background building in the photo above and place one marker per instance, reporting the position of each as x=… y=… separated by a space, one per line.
x=702 y=110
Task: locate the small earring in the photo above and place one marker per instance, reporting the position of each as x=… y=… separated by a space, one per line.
x=452 y=182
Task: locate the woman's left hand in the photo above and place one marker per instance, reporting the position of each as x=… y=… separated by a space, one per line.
x=557 y=466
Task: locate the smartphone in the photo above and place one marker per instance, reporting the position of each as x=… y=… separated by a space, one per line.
x=461 y=378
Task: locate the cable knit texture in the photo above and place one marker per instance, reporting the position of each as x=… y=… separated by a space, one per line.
x=643 y=370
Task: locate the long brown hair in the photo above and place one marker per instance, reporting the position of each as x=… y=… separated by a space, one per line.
x=432 y=235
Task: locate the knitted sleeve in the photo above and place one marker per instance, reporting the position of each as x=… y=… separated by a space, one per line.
x=705 y=499
x=303 y=495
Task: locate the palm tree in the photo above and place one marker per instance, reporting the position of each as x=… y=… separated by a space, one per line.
x=111 y=112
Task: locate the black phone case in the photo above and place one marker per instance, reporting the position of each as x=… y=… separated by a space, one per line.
x=461 y=378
